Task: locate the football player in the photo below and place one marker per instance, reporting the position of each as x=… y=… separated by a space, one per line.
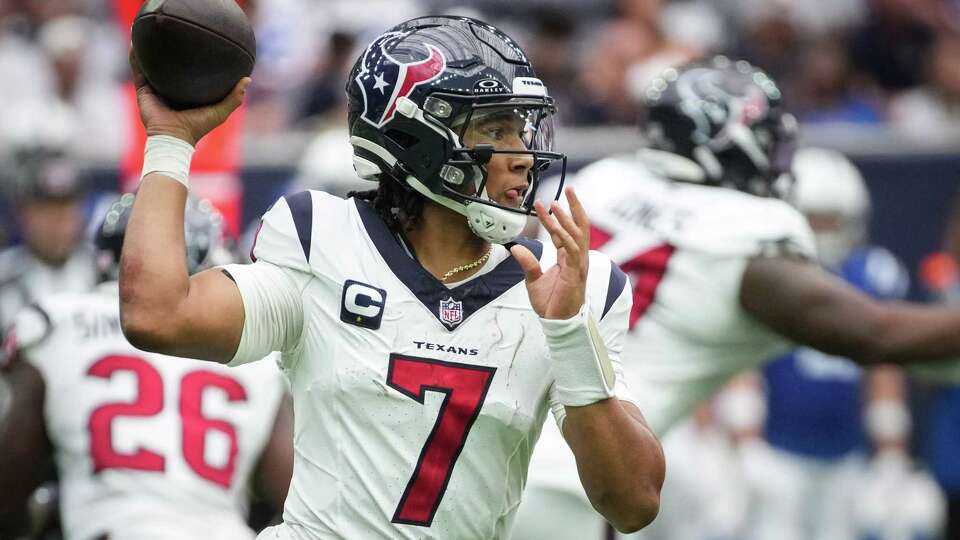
x=425 y=345
x=724 y=270
x=147 y=447
x=48 y=194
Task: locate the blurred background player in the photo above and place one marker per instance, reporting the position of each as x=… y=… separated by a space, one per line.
x=147 y=447
x=940 y=276
x=825 y=416
x=724 y=271
x=48 y=196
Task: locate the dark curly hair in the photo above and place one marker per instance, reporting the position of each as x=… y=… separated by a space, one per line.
x=398 y=205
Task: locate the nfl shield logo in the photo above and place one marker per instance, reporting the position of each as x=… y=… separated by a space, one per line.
x=451 y=312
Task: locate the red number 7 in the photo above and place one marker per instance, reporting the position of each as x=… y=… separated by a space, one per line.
x=465 y=387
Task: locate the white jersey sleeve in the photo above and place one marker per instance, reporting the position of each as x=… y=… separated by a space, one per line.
x=610 y=301
x=272 y=306
x=272 y=287
x=686 y=247
x=648 y=209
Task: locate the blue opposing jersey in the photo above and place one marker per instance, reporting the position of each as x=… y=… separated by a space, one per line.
x=814 y=399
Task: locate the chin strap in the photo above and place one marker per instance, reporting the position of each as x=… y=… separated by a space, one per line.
x=491 y=224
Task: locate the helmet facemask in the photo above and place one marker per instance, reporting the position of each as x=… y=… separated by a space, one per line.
x=474 y=131
x=419 y=99
x=518 y=128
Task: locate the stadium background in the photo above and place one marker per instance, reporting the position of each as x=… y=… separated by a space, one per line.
x=876 y=79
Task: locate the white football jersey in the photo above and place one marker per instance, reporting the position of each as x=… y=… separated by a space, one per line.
x=24 y=279
x=147 y=446
x=417 y=405
x=685 y=248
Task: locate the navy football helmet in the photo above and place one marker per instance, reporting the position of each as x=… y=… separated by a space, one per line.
x=721 y=122
x=40 y=173
x=418 y=90
x=203 y=227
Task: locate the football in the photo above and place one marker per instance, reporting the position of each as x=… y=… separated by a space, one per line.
x=193 y=52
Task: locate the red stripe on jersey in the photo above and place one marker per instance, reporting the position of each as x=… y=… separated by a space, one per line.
x=647 y=271
x=598 y=237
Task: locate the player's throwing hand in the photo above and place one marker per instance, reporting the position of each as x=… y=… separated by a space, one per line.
x=190 y=125
x=559 y=292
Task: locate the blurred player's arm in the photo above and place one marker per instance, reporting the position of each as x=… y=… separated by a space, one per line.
x=162 y=308
x=24 y=446
x=276 y=462
x=801 y=301
x=887 y=414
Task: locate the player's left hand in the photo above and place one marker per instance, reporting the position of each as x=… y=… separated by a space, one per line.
x=559 y=292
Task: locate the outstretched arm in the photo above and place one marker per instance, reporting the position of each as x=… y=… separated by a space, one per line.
x=801 y=301
x=619 y=459
x=162 y=308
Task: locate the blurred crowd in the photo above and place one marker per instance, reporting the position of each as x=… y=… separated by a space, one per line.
x=861 y=61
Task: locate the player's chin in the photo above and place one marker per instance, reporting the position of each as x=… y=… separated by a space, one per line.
x=509 y=199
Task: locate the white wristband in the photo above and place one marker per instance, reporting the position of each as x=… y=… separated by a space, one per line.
x=582 y=371
x=168 y=156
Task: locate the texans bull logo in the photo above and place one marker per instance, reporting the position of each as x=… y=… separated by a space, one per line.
x=384 y=79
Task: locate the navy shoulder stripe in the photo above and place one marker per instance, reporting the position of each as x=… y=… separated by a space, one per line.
x=614 y=287
x=534 y=246
x=301 y=208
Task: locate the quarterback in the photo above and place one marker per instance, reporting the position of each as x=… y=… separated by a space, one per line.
x=147 y=447
x=424 y=344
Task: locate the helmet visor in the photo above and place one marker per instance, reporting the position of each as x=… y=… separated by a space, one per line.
x=515 y=125
x=517 y=129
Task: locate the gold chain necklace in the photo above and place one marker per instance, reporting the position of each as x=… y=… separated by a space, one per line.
x=470 y=266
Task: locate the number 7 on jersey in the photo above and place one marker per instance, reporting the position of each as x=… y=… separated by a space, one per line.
x=465 y=387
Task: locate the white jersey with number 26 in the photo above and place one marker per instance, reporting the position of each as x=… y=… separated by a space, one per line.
x=148 y=447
